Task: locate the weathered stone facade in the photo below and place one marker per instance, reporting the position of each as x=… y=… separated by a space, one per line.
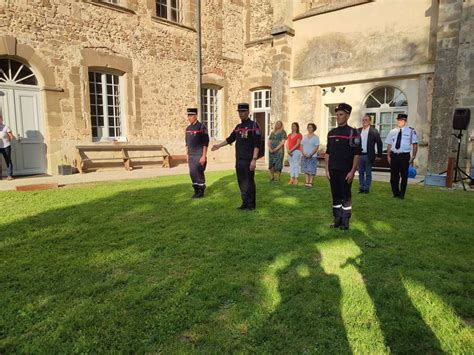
x=312 y=54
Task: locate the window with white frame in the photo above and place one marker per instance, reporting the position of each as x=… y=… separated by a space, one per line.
x=383 y=106
x=210 y=110
x=262 y=99
x=115 y=2
x=104 y=91
x=331 y=116
x=168 y=9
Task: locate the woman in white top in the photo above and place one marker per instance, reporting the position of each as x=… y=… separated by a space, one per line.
x=5 y=147
x=309 y=160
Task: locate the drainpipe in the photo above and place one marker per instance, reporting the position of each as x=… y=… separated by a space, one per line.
x=198 y=56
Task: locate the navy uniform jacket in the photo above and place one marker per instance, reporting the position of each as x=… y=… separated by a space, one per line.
x=343 y=144
x=247 y=136
x=196 y=138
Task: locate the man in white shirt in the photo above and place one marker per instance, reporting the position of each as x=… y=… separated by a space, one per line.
x=399 y=146
x=370 y=138
x=5 y=147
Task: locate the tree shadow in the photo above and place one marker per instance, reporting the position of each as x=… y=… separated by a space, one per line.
x=142 y=268
x=396 y=252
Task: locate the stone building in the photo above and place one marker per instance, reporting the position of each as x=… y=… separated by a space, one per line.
x=94 y=71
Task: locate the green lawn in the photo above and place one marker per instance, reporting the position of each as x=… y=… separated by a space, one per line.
x=138 y=266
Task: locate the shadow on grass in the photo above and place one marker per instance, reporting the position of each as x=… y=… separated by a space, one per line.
x=151 y=270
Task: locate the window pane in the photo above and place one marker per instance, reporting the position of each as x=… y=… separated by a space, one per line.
x=379 y=95
x=371 y=102
x=400 y=100
x=161 y=8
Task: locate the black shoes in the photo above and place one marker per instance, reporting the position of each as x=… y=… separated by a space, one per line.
x=246 y=208
x=340 y=223
x=344 y=224
x=336 y=223
x=198 y=192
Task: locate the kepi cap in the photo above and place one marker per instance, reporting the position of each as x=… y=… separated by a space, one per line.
x=192 y=111
x=344 y=107
x=402 y=116
x=243 y=107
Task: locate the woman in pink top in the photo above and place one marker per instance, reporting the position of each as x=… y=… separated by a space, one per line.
x=294 y=152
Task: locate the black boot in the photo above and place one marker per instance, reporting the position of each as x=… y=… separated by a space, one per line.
x=335 y=223
x=344 y=224
x=196 y=191
x=200 y=191
x=337 y=218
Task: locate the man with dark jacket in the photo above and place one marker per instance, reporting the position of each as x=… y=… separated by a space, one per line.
x=370 y=138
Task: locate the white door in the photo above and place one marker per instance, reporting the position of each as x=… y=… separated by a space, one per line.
x=28 y=147
x=20 y=111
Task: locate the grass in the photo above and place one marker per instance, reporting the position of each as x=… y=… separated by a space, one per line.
x=138 y=266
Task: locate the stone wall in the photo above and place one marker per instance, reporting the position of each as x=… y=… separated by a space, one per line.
x=453 y=79
x=155 y=57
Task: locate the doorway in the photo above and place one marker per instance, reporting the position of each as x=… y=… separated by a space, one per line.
x=20 y=108
x=263 y=120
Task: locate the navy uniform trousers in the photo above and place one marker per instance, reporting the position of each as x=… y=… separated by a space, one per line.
x=341 y=194
x=400 y=162
x=196 y=171
x=246 y=180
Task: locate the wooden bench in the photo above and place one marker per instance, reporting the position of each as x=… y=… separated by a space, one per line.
x=82 y=159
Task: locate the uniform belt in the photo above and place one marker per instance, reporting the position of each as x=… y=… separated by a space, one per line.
x=399 y=153
x=364 y=153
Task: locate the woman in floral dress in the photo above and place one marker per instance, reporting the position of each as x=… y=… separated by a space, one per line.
x=276 y=144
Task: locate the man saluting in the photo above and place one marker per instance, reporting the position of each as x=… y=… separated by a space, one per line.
x=247 y=136
x=197 y=141
x=342 y=157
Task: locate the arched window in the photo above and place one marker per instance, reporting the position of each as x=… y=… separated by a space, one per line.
x=13 y=72
x=383 y=105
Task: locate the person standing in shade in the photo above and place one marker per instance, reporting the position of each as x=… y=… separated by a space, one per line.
x=6 y=136
x=369 y=137
x=197 y=141
x=342 y=158
x=309 y=160
x=247 y=136
x=400 y=154
x=294 y=152
x=276 y=148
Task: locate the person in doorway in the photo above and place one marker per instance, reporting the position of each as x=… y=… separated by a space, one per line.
x=247 y=136
x=342 y=158
x=276 y=148
x=401 y=142
x=309 y=160
x=370 y=138
x=294 y=152
x=6 y=136
x=197 y=141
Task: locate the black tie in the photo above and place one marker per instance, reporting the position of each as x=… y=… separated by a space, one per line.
x=399 y=140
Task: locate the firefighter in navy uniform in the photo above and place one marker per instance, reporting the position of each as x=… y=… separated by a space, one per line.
x=247 y=136
x=342 y=158
x=197 y=141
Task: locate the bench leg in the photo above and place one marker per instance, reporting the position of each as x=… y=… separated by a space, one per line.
x=79 y=163
x=166 y=162
x=127 y=162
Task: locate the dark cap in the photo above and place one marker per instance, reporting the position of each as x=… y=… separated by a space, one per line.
x=242 y=107
x=192 y=111
x=344 y=107
x=402 y=116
